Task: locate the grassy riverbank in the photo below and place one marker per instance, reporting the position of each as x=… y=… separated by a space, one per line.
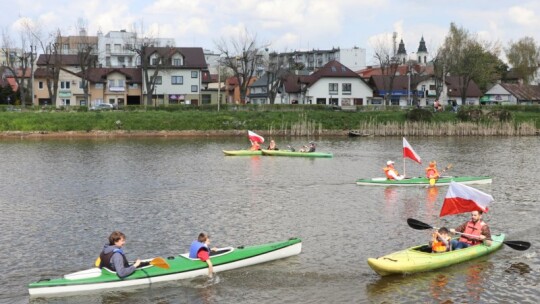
x=300 y=120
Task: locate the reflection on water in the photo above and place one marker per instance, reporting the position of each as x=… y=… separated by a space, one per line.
x=61 y=199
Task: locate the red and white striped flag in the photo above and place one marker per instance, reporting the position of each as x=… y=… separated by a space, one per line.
x=461 y=198
x=409 y=152
x=255 y=137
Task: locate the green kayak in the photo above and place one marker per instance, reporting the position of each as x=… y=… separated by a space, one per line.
x=420 y=258
x=179 y=267
x=423 y=181
x=295 y=153
x=241 y=152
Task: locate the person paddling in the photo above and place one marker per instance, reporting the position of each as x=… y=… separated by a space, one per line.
x=200 y=250
x=440 y=240
x=431 y=170
x=391 y=172
x=112 y=256
x=475 y=232
x=255 y=146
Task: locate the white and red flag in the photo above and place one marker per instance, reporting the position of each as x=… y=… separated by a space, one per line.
x=409 y=152
x=255 y=137
x=461 y=199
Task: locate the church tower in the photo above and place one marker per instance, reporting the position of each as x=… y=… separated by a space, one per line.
x=422 y=52
x=401 y=53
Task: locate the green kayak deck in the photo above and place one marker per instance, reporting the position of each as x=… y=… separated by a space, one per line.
x=420 y=258
x=423 y=181
x=241 y=152
x=295 y=153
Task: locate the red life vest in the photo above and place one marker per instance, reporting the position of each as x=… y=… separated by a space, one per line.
x=387 y=172
x=474 y=229
x=431 y=172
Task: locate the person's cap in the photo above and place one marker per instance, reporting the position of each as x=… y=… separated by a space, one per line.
x=432 y=163
x=388 y=163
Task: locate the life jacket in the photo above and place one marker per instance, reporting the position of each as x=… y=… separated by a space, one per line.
x=255 y=147
x=438 y=246
x=195 y=247
x=106 y=259
x=431 y=172
x=387 y=172
x=474 y=229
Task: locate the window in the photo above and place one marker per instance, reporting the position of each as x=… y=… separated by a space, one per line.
x=65 y=101
x=121 y=59
x=194 y=88
x=177 y=62
x=120 y=82
x=108 y=61
x=346 y=88
x=107 y=47
x=40 y=85
x=81 y=85
x=194 y=74
x=177 y=79
x=155 y=61
x=157 y=80
x=111 y=83
x=206 y=99
x=117 y=47
x=65 y=85
x=99 y=86
x=133 y=85
x=333 y=88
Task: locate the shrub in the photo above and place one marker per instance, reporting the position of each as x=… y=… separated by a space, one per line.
x=419 y=115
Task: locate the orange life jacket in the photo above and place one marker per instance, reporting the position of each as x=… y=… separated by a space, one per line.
x=474 y=229
x=437 y=246
x=387 y=172
x=431 y=172
x=255 y=147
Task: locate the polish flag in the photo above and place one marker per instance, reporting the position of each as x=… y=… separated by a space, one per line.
x=461 y=199
x=409 y=152
x=255 y=137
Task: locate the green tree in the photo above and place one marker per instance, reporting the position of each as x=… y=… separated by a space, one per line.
x=524 y=57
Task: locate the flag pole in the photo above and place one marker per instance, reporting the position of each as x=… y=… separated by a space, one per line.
x=404 y=167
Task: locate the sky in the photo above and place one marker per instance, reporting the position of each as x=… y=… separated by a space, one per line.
x=285 y=25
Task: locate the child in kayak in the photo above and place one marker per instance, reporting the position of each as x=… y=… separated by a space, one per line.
x=200 y=249
x=440 y=241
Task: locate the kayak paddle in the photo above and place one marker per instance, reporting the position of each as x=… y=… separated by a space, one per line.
x=517 y=245
x=432 y=181
x=158 y=262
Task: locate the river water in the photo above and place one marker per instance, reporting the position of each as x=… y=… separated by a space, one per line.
x=60 y=199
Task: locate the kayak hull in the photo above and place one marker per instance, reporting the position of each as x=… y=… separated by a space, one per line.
x=424 y=181
x=295 y=153
x=181 y=267
x=413 y=260
x=241 y=152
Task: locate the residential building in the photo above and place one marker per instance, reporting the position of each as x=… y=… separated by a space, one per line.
x=512 y=93
x=75 y=44
x=115 y=48
x=116 y=86
x=353 y=58
x=258 y=91
x=333 y=84
x=179 y=78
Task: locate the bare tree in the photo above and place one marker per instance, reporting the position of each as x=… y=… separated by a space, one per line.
x=86 y=57
x=388 y=64
x=244 y=57
x=276 y=72
x=19 y=62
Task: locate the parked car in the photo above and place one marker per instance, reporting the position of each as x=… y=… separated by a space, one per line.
x=102 y=106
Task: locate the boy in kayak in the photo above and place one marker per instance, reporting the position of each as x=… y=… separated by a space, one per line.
x=473 y=232
x=112 y=256
x=440 y=241
x=391 y=172
x=200 y=249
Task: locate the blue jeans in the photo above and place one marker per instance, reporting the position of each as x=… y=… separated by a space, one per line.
x=458 y=245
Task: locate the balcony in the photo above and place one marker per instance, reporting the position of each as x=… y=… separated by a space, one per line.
x=117 y=88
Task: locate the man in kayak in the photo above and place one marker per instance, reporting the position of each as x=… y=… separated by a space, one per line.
x=309 y=148
x=391 y=172
x=473 y=232
x=431 y=170
x=200 y=249
x=112 y=256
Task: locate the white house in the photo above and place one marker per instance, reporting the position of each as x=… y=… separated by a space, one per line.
x=513 y=93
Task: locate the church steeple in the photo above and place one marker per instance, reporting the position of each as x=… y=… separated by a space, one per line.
x=422 y=52
x=402 y=53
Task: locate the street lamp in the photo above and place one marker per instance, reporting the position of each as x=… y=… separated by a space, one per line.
x=32 y=47
x=219 y=84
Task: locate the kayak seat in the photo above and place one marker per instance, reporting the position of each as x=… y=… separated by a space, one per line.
x=424 y=248
x=225 y=250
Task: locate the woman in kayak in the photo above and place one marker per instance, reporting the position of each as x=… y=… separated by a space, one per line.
x=440 y=241
x=200 y=249
x=391 y=172
x=473 y=232
x=272 y=145
x=112 y=256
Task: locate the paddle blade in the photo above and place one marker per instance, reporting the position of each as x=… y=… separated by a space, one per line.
x=432 y=181
x=160 y=262
x=518 y=245
x=97 y=262
x=416 y=224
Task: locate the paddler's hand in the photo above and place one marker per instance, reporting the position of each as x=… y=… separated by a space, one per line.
x=453 y=231
x=214 y=249
x=137 y=263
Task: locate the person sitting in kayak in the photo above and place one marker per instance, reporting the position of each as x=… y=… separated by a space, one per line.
x=272 y=145
x=431 y=170
x=391 y=172
x=440 y=241
x=200 y=249
x=255 y=146
x=310 y=148
x=474 y=232
x=112 y=256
